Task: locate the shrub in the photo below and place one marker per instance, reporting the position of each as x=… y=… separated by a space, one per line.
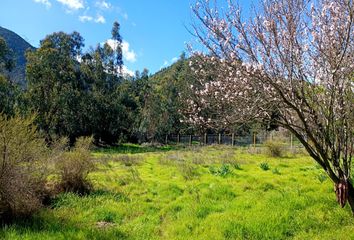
x=275 y=148
x=264 y=166
x=224 y=170
x=22 y=167
x=75 y=165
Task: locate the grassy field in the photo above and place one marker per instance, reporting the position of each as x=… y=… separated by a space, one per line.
x=195 y=193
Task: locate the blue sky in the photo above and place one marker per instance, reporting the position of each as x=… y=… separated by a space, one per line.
x=154 y=31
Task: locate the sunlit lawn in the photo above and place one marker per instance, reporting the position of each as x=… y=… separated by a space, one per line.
x=195 y=193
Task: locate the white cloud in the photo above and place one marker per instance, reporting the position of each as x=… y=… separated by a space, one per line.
x=72 y=5
x=125 y=16
x=103 y=5
x=100 y=19
x=127 y=71
x=128 y=54
x=44 y=2
x=166 y=63
x=85 y=18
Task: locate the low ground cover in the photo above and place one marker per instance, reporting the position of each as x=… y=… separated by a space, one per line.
x=213 y=192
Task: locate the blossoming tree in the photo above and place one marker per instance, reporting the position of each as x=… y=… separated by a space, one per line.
x=295 y=57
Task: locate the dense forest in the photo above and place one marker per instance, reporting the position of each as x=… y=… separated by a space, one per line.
x=76 y=93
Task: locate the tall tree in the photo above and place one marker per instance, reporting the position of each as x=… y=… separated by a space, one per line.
x=54 y=84
x=295 y=57
x=118 y=48
x=110 y=107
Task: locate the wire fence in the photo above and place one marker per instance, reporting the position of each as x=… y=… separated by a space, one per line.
x=255 y=139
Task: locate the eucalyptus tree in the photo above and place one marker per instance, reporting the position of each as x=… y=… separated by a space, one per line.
x=54 y=84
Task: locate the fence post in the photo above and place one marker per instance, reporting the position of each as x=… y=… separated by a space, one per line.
x=205 y=138
x=254 y=140
x=219 y=140
x=178 y=138
x=190 y=140
x=166 y=139
x=233 y=139
x=291 y=141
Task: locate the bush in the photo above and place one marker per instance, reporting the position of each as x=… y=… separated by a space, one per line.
x=274 y=148
x=74 y=167
x=22 y=168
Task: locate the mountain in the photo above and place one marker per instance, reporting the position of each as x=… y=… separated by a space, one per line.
x=19 y=47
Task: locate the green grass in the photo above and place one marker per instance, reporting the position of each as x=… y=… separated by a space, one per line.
x=198 y=193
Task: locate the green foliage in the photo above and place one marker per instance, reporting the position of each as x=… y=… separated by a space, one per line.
x=10 y=97
x=9 y=92
x=264 y=166
x=118 y=52
x=161 y=101
x=22 y=167
x=54 y=87
x=74 y=98
x=251 y=204
x=223 y=171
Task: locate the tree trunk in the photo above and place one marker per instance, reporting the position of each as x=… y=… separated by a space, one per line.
x=351 y=196
x=345 y=193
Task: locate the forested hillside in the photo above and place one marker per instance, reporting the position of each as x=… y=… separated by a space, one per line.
x=18 y=46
